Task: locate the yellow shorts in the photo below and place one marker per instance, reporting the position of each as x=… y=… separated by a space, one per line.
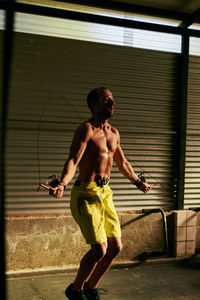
x=93 y=209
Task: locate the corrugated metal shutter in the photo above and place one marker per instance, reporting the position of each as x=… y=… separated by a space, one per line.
x=58 y=74
x=192 y=172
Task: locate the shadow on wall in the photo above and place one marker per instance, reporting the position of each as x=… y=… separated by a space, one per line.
x=148 y=233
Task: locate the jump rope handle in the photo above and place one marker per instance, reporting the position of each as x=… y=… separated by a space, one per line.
x=141 y=177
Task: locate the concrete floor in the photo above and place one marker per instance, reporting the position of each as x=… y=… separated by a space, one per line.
x=143 y=281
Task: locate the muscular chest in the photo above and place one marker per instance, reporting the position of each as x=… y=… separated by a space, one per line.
x=103 y=142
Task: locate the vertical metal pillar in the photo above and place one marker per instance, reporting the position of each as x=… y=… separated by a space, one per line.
x=183 y=119
x=7 y=51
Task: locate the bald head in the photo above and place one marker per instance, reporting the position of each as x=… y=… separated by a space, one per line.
x=93 y=96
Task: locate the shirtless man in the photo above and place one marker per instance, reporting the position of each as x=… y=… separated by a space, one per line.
x=94 y=147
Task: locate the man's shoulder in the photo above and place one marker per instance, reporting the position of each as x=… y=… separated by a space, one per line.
x=84 y=129
x=114 y=130
x=84 y=125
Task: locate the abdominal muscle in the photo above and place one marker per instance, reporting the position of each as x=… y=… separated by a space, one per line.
x=93 y=165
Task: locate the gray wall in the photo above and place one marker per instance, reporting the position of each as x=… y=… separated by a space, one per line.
x=55 y=242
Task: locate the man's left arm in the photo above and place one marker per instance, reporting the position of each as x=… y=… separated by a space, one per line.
x=127 y=170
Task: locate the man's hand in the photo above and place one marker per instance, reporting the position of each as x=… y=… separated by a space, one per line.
x=145 y=187
x=57 y=192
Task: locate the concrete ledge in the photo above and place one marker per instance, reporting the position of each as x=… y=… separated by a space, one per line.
x=116 y=265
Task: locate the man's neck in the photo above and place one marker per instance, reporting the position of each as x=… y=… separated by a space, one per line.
x=99 y=122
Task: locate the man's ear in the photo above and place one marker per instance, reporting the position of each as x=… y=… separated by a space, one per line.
x=93 y=104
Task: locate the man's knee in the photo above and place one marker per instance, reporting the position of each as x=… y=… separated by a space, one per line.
x=99 y=251
x=115 y=246
x=118 y=248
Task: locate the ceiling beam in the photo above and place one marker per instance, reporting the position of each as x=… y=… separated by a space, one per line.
x=194 y=17
x=132 y=8
x=93 y=18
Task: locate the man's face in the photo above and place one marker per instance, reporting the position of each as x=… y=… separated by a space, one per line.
x=105 y=104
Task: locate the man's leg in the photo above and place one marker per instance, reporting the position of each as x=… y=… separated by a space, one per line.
x=114 y=247
x=88 y=264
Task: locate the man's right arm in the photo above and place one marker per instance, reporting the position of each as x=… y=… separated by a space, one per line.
x=77 y=149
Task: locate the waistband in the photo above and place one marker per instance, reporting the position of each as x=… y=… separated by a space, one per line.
x=100 y=182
